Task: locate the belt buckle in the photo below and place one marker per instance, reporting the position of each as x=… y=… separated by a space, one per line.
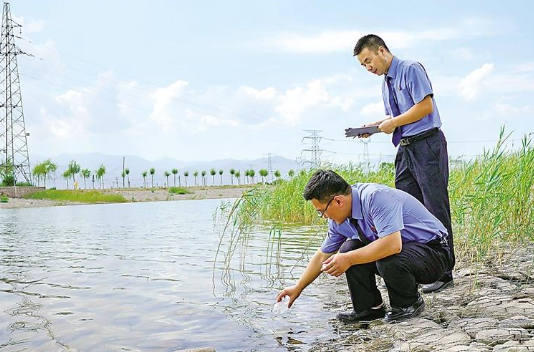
x=404 y=141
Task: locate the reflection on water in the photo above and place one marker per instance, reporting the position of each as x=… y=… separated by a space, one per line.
x=142 y=277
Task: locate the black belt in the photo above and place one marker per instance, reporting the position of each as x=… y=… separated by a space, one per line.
x=418 y=137
x=439 y=242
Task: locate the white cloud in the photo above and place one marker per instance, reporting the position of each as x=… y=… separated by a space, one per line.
x=29 y=26
x=163 y=100
x=327 y=41
x=344 y=40
x=373 y=109
x=470 y=86
x=464 y=53
x=267 y=93
x=509 y=110
x=298 y=99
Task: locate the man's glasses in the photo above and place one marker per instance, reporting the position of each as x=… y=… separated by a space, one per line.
x=321 y=213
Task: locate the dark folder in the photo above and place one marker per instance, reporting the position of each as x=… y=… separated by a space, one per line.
x=359 y=131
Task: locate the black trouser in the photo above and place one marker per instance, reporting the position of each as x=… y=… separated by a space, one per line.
x=422 y=170
x=417 y=263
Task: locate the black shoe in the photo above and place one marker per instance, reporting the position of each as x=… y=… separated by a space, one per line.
x=362 y=317
x=398 y=314
x=437 y=286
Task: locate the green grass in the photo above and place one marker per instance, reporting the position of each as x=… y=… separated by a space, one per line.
x=492 y=202
x=78 y=196
x=4 y=199
x=178 y=190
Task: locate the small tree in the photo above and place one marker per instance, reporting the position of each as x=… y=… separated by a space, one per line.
x=100 y=174
x=220 y=173
x=237 y=175
x=167 y=174
x=127 y=172
x=263 y=174
x=186 y=174
x=73 y=168
x=86 y=173
x=277 y=174
x=7 y=173
x=252 y=173
x=123 y=175
x=203 y=177
x=152 y=172
x=291 y=173
x=213 y=173
x=50 y=167
x=174 y=172
x=66 y=175
x=144 y=173
x=232 y=173
x=195 y=174
x=39 y=172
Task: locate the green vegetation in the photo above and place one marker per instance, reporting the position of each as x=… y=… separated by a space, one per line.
x=178 y=190
x=78 y=196
x=4 y=199
x=492 y=202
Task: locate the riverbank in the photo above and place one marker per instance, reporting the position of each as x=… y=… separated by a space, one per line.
x=490 y=308
x=139 y=195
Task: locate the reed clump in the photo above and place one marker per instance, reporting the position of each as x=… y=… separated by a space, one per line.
x=81 y=196
x=178 y=190
x=492 y=201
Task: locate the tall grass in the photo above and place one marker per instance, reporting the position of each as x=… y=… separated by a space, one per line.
x=77 y=196
x=492 y=202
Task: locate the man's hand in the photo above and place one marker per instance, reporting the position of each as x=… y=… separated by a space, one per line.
x=387 y=126
x=293 y=292
x=337 y=264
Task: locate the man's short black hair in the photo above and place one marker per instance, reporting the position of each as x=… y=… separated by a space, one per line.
x=324 y=184
x=371 y=42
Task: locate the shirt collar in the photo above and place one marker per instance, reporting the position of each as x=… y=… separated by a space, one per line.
x=392 y=71
x=356 y=204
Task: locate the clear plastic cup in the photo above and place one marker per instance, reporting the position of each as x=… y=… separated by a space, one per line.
x=280 y=307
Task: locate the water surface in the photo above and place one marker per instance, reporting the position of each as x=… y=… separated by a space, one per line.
x=142 y=277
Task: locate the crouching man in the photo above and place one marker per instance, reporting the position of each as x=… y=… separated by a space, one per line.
x=374 y=230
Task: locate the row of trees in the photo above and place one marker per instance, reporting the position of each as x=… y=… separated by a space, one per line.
x=46 y=170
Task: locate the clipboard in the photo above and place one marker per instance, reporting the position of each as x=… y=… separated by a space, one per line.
x=359 y=131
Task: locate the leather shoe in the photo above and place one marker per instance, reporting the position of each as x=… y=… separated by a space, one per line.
x=398 y=314
x=362 y=317
x=437 y=286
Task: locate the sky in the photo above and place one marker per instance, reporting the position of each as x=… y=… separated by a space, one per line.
x=205 y=80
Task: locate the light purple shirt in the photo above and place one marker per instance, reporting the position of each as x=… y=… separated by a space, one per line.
x=411 y=85
x=381 y=210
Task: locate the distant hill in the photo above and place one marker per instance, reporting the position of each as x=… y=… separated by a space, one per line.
x=137 y=165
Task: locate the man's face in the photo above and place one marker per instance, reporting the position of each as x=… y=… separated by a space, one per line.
x=332 y=209
x=374 y=62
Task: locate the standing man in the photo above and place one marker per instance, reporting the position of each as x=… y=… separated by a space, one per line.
x=374 y=230
x=422 y=163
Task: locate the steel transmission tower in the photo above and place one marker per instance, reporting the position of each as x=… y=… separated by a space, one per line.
x=366 y=159
x=315 y=151
x=13 y=136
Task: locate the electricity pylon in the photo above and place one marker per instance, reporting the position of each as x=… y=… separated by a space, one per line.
x=315 y=150
x=13 y=137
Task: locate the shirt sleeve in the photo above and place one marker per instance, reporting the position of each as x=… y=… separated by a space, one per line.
x=386 y=213
x=333 y=240
x=418 y=82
